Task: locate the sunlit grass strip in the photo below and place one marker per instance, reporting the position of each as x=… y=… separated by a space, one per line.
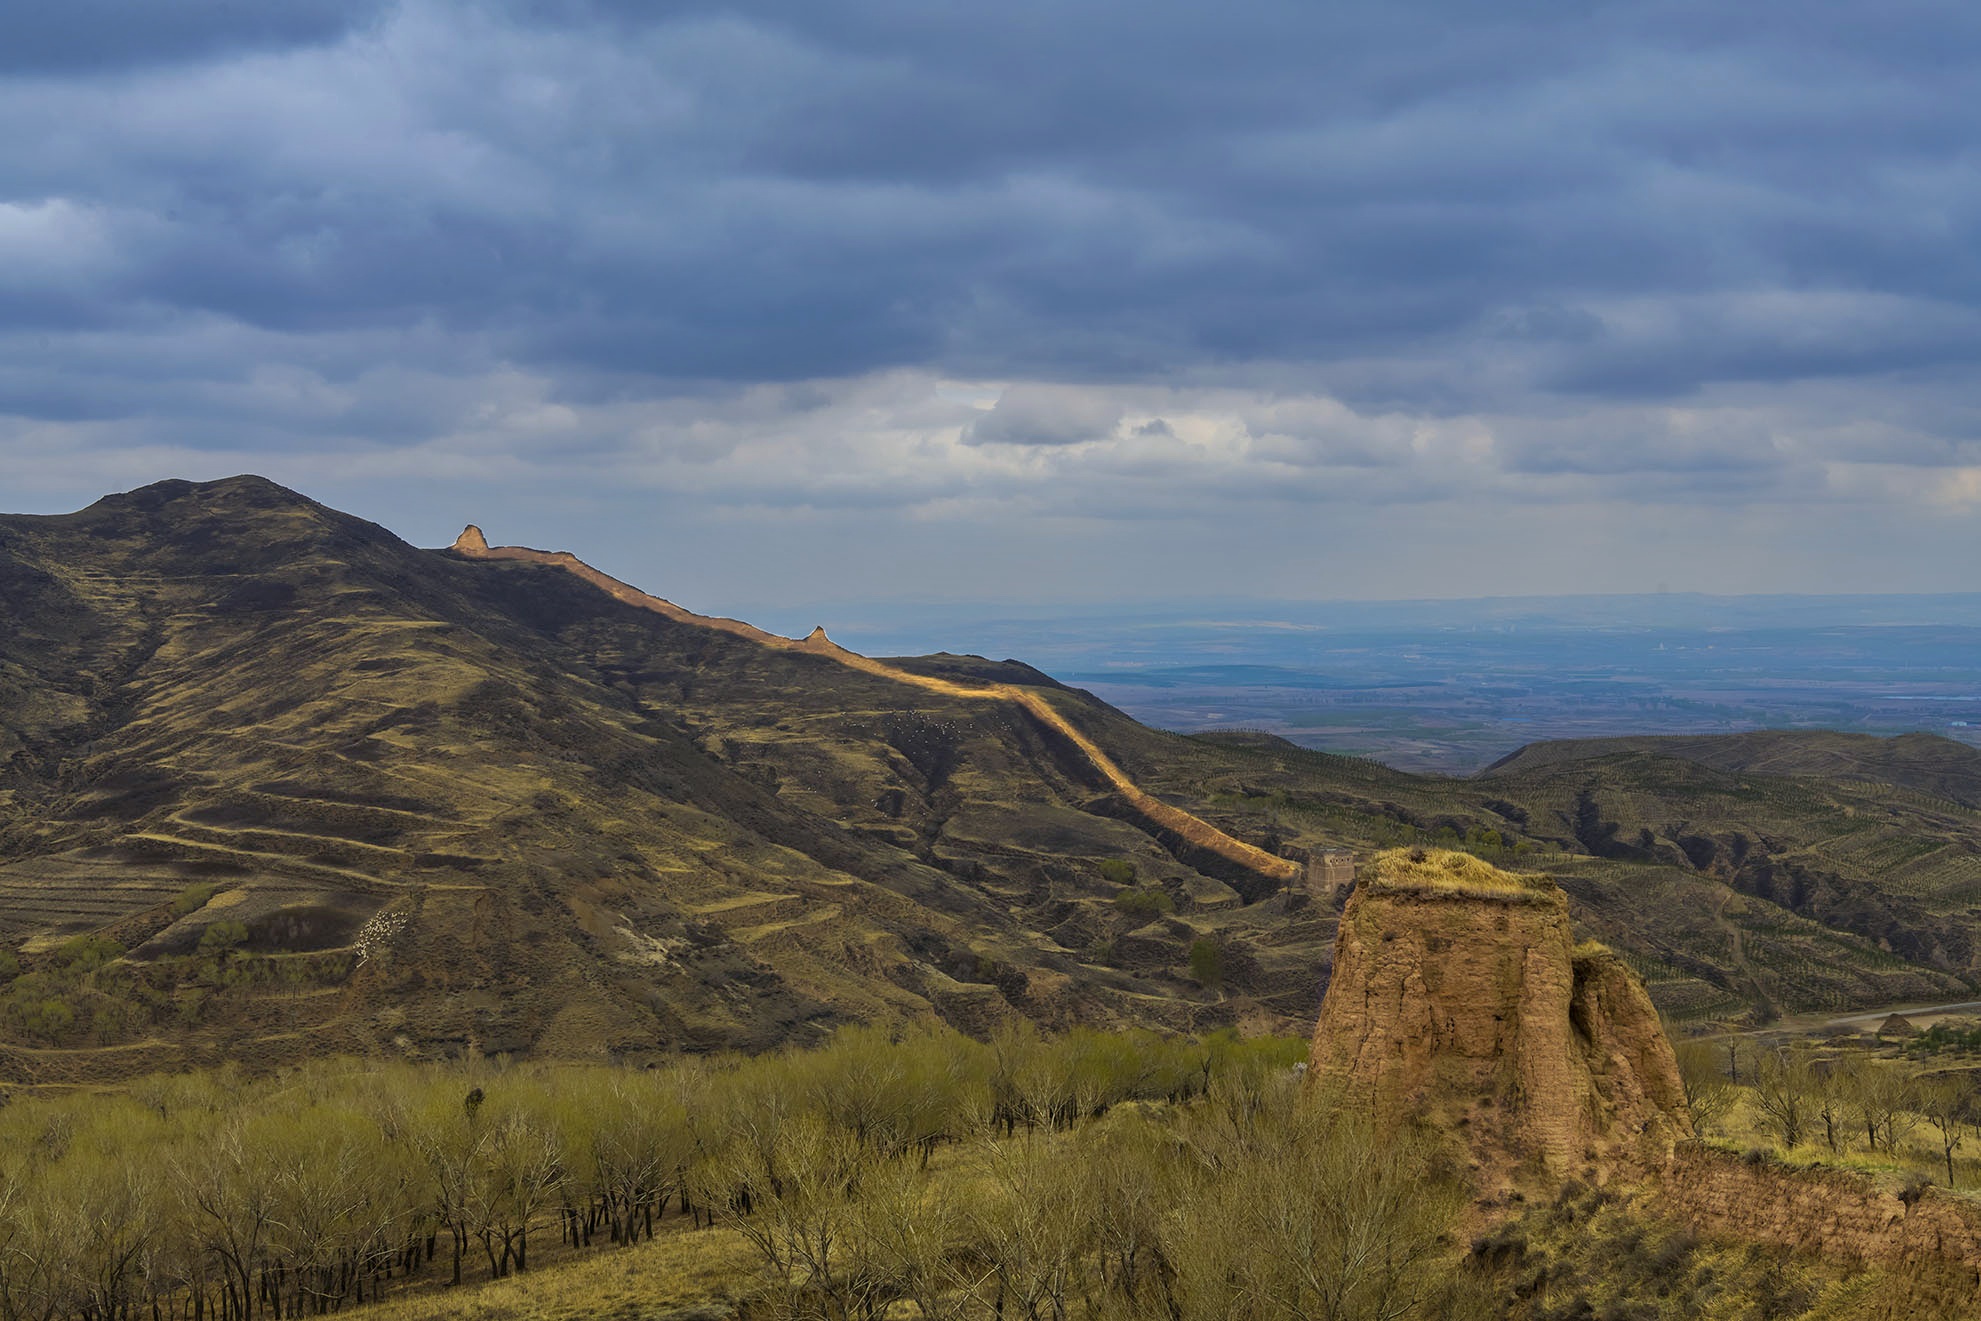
x=1447 y=871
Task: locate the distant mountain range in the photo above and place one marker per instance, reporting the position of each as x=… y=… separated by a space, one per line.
x=275 y=783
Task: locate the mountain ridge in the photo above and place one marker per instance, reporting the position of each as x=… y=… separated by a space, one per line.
x=274 y=782
x=1922 y=761
x=487 y=780
x=473 y=544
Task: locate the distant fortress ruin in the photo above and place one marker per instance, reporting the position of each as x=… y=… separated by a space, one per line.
x=1330 y=875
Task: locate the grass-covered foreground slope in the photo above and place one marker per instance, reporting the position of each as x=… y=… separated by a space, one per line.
x=274 y=783
x=1089 y=1177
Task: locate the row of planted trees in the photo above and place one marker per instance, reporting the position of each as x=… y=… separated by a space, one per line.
x=1001 y=1178
x=1846 y=1100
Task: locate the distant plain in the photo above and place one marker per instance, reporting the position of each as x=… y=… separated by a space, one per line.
x=1452 y=686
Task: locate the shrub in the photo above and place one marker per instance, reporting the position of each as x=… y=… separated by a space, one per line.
x=222 y=937
x=1144 y=902
x=193 y=898
x=1119 y=871
x=10 y=966
x=1207 y=962
x=49 y=1019
x=88 y=953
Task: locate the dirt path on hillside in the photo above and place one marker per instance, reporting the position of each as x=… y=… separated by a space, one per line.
x=1906 y=1011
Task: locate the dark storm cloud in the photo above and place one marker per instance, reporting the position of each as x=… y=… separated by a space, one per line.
x=766 y=191
x=1353 y=253
x=94 y=36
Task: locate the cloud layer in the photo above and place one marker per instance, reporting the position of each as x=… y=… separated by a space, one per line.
x=1038 y=280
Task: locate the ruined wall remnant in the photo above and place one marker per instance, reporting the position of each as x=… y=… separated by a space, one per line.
x=472 y=544
x=1459 y=995
x=1329 y=872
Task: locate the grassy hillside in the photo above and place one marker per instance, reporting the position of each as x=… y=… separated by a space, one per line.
x=274 y=783
x=327 y=791
x=1926 y=763
x=1731 y=893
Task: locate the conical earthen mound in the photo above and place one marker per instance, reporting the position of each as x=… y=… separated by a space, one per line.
x=1460 y=996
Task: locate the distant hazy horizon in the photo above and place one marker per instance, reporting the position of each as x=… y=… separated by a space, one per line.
x=1452 y=685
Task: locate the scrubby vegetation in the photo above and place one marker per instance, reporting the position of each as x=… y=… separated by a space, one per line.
x=1118 y=871
x=1947 y=1037
x=83 y=994
x=1089 y=1177
x=1144 y=901
x=1592 y=1253
x=193 y=898
x=1448 y=870
x=1092 y=1175
x=1844 y=1105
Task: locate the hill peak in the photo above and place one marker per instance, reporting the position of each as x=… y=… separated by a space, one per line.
x=245 y=487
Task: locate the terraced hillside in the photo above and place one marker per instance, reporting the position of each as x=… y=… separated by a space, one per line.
x=328 y=790
x=274 y=783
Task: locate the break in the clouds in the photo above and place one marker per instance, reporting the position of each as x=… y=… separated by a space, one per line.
x=879 y=298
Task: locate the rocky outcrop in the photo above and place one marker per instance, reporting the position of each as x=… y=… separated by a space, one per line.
x=1460 y=996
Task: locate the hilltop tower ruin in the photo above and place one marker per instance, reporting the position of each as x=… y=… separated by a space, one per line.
x=1460 y=997
x=1329 y=873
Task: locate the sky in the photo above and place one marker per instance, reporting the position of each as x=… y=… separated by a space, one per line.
x=834 y=301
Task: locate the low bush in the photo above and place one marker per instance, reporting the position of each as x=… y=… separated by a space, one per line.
x=88 y=953
x=223 y=936
x=1118 y=871
x=1145 y=902
x=1207 y=962
x=193 y=898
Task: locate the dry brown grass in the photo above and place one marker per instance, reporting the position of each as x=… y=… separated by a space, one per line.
x=1447 y=870
x=684 y=1274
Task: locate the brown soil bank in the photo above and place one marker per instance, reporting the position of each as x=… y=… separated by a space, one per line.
x=1460 y=996
x=1835 y=1213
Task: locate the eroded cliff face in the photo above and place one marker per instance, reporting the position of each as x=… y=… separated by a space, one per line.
x=1460 y=996
x=1839 y=1213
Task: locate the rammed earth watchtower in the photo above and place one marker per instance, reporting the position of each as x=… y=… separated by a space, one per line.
x=1460 y=997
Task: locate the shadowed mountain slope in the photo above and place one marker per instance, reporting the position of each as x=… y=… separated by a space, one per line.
x=444 y=800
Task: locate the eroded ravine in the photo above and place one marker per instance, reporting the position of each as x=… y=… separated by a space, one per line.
x=1200 y=833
